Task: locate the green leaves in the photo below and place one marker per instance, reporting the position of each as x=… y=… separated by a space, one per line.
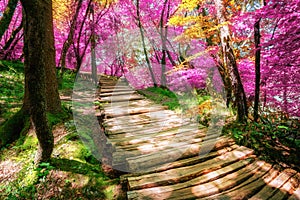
x=43 y=170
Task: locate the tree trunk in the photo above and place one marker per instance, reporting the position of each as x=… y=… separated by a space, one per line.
x=68 y=42
x=53 y=103
x=143 y=42
x=39 y=59
x=93 y=47
x=163 y=36
x=13 y=36
x=7 y=16
x=229 y=63
x=257 y=68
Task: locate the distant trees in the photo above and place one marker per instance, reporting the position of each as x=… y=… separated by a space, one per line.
x=187 y=36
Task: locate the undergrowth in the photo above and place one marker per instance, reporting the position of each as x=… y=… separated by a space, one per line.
x=162 y=96
x=72 y=173
x=274 y=138
x=11 y=88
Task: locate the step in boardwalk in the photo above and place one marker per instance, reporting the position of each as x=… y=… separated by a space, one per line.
x=170 y=157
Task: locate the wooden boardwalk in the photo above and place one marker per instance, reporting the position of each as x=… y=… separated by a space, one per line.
x=167 y=158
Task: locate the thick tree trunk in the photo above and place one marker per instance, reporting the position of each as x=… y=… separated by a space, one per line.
x=229 y=63
x=7 y=16
x=53 y=103
x=257 y=68
x=39 y=60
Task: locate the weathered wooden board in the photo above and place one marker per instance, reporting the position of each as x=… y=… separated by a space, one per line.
x=276 y=186
x=120 y=98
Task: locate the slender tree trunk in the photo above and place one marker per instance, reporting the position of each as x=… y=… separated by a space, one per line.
x=257 y=68
x=13 y=36
x=93 y=47
x=79 y=56
x=68 y=42
x=39 y=56
x=143 y=42
x=230 y=65
x=7 y=16
x=163 y=36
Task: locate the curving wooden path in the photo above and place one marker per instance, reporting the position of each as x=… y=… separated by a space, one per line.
x=168 y=158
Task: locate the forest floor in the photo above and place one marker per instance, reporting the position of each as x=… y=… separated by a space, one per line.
x=72 y=173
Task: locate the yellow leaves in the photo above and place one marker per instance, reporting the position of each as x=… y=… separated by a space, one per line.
x=205 y=106
x=189 y=4
x=182 y=21
x=186 y=63
x=62 y=10
x=105 y=3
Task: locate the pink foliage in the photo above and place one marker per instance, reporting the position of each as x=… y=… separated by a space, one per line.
x=119 y=52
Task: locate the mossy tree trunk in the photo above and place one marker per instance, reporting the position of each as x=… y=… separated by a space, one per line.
x=39 y=59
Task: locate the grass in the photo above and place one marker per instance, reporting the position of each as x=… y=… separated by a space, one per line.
x=72 y=173
x=11 y=88
x=161 y=96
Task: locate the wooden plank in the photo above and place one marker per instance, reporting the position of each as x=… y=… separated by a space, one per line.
x=288 y=188
x=144 y=117
x=199 y=190
x=152 y=130
x=157 y=159
x=156 y=147
x=225 y=183
x=181 y=174
x=184 y=162
x=196 y=159
x=139 y=137
x=121 y=98
x=295 y=195
x=139 y=118
x=211 y=176
x=115 y=90
x=132 y=125
x=251 y=186
x=270 y=189
x=117 y=112
x=116 y=93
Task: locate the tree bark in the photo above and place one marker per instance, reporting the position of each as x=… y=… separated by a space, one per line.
x=257 y=68
x=7 y=16
x=53 y=103
x=230 y=65
x=93 y=48
x=39 y=58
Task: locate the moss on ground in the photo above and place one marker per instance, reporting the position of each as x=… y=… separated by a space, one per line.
x=72 y=173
